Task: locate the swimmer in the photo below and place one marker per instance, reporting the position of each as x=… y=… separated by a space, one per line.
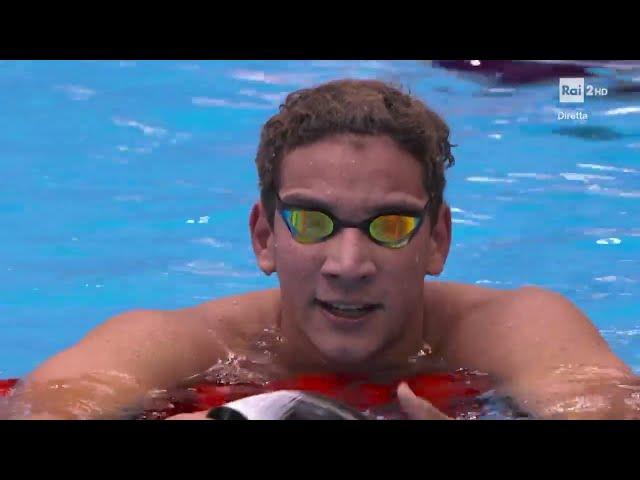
x=352 y=219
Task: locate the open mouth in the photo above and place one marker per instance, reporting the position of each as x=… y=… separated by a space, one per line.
x=348 y=310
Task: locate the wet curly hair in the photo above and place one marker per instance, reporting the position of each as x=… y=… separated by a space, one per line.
x=361 y=107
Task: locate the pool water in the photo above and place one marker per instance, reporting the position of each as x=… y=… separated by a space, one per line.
x=127 y=184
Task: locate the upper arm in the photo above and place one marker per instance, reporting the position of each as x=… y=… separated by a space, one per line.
x=157 y=348
x=116 y=364
x=532 y=332
x=122 y=344
x=543 y=351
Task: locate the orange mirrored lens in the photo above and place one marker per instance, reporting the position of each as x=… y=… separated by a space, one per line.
x=393 y=229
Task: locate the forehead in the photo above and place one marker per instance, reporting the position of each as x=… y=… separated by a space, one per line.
x=361 y=171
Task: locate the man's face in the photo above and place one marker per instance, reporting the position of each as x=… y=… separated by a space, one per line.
x=350 y=297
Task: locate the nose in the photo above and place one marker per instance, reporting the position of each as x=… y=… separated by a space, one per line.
x=348 y=258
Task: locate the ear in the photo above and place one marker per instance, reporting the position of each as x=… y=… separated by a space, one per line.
x=440 y=241
x=262 y=239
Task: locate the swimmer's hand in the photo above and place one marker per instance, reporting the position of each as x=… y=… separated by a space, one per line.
x=191 y=416
x=417 y=408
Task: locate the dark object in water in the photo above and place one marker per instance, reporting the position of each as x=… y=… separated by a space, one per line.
x=515 y=72
x=625 y=91
x=502 y=407
x=285 y=405
x=589 y=132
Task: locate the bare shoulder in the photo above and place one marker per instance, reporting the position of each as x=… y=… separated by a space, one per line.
x=164 y=345
x=513 y=333
x=243 y=313
x=242 y=316
x=116 y=363
x=448 y=304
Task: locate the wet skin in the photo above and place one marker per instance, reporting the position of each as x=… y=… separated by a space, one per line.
x=538 y=346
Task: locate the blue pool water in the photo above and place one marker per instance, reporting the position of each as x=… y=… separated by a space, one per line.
x=128 y=185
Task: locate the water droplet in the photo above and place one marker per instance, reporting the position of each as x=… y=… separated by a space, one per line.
x=425 y=351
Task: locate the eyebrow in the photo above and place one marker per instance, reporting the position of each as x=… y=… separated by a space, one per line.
x=300 y=200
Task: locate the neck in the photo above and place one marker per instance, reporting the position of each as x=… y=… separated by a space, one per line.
x=401 y=354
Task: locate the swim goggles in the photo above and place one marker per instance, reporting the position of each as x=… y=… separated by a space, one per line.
x=393 y=229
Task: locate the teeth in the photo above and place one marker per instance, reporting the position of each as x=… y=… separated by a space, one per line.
x=346 y=307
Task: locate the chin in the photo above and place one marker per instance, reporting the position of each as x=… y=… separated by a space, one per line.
x=340 y=353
